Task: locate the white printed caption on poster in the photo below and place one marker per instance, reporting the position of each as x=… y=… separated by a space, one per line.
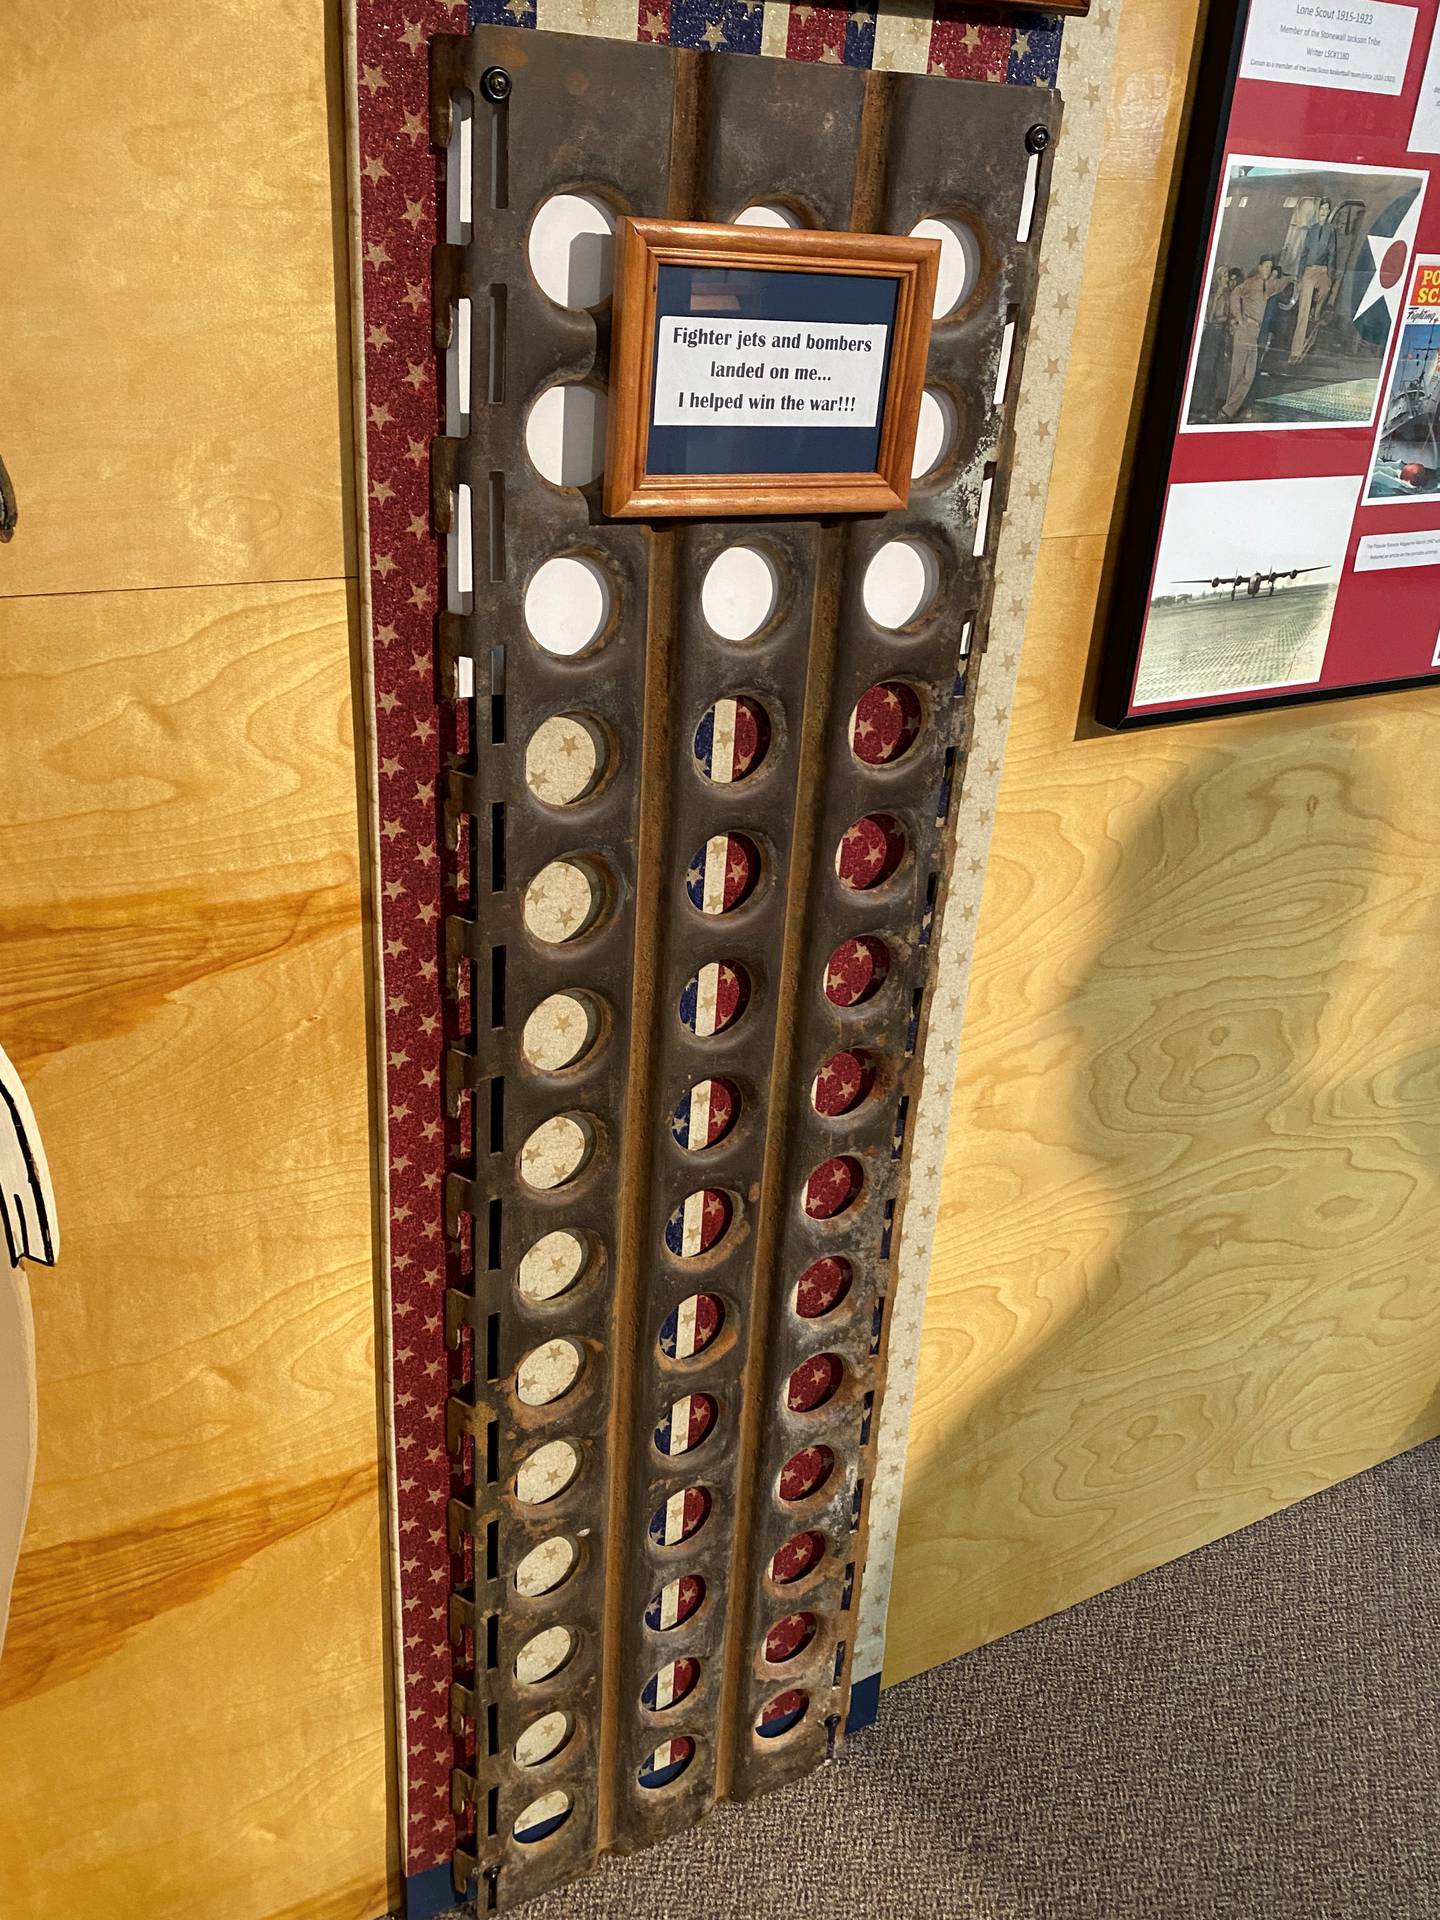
x=1425 y=127
x=762 y=373
x=1314 y=43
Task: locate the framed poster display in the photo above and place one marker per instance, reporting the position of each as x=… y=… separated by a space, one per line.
x=765 y=371
x=1281 y=538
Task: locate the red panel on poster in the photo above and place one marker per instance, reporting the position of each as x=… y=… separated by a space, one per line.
x=1292 y=538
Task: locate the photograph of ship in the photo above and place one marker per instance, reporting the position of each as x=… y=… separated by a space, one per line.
x=1407 y=459
x=1244 y=586
x=1303 y=290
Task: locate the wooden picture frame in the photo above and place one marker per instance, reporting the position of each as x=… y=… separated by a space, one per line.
x=643 y=249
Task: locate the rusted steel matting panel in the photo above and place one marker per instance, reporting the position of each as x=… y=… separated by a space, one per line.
x=713 y=1426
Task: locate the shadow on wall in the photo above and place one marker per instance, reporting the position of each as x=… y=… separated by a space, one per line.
x=1197 y=1157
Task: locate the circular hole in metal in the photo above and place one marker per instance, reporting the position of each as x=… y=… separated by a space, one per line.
x=670 y=1685
x=740 y=592
x=703 y=1116
x=567 y=603
x=543 y=1739
x=557 y=1151
x=666 y=1762
x=936 y=432
x=551 y=1266
x=543 y=1655
x=689 y=1328
x=564 y=900
x=782 y=1713
x=699 y=1223
x=686 y=1425
x=680 y=1518
x=723 y=874
x=821 y=1288
x=961 y=259
x=842 y=1083
x=856 y=970
x=546 y=1567
x=901 y=581
x=548 y=1372
x=546 y=1473
x=674 y=1604
x=731 y=740
x=560 y=1031
x=565 y=759
x=789 y=1637
x=571 y=249
x=714 y=998
x=768 y=213
x=814 y=1382
x=885 y=723
x=833 y=1186
x=805 y=1473
x=869 y=851
x=542 y=1817
x=796 y=1557
x=565 y=434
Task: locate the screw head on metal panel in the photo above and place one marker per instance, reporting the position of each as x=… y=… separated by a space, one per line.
x=1036 y=140
x=495 y=84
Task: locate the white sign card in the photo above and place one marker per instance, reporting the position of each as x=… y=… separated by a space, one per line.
x=1319 y=43
x=1425 y=128
x=768 y=373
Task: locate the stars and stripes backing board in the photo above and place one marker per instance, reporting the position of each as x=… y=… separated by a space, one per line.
x=396 y=226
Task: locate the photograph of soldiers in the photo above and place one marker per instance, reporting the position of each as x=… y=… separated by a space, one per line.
x=1249 y=312
x=1305 y=273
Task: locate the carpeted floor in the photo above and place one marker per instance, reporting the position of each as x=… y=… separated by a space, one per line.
x=1250 y=1733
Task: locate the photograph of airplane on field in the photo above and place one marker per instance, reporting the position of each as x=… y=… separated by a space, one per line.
x=1306 y=275
x=1244 y=586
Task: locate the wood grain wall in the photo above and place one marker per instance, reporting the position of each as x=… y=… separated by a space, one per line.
x=1186 y=1268
x=192 y=1694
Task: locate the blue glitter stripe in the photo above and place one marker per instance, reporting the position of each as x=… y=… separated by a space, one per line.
x=502 y=13
x=859 y=48
x=721 y=26
x=1035 y=52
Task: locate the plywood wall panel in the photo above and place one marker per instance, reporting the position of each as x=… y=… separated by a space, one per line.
x=1185 y=1272
x=177 y=388
x=192 y=1694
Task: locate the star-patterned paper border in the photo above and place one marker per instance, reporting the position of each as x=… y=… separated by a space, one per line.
x=1083 y=79
x=395 y=181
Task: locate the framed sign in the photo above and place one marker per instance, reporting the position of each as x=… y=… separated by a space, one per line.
x=1281 y=540
x=765 y=371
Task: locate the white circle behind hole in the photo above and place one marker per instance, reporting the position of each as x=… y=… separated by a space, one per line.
x=767 y=213
x=900 y=583
x=567 y=604
x=935 y=435
x=572 y=247
x=959 y=261
x=739 y=592
x=565 y=434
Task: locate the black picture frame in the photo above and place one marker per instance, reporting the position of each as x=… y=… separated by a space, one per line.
x=1155 y=423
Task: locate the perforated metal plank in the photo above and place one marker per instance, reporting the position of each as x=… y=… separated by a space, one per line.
x=765 y=1674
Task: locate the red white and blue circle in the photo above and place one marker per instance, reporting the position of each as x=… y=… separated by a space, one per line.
x=705 y=1114
x=714 y=998
x=723 y=873
x=686 y=1424
x=730 y=741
